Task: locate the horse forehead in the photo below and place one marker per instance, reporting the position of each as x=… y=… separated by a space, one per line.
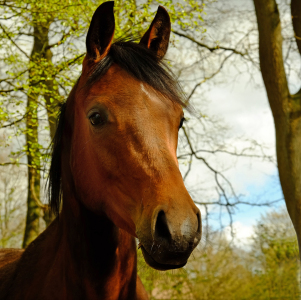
x=120 y=90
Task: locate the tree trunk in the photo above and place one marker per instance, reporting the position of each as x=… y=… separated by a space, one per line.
x=286 y=108
x=52 y=104
x=32 y=228
x=34 y=207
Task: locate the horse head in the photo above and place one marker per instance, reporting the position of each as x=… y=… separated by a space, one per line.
x=122 y=126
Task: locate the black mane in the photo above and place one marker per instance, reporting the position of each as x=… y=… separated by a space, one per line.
x=139 y=62
x=142 y=64
x=55 y=172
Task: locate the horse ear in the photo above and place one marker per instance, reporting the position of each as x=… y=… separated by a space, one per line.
x=157 y=36
x=101 y=32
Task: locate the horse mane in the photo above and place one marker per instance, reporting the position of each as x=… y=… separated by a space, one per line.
x=143 y=64
x=139 y=62
x=54 y=180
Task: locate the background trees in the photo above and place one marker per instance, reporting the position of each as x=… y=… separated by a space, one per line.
x=285 y=106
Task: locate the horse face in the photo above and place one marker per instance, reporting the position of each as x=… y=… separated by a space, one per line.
x=124 y=145
x=126 y=140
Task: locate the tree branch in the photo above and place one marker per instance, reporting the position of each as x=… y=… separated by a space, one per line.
x=13 y=123
x=240 y=203
x=239 y=154
x=211 y=49
x=209 y=77
x=21 y=164
x=217 y=174
x=65 y=35
x=296 y=16
x=35 y=198
x=13 y=41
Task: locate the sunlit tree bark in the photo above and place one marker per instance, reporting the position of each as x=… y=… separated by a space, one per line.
x=32 y=228
x=286 y=108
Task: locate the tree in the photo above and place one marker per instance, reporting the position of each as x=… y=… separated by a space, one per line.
x=12 y=214
x=275 y=256
x=286 y=107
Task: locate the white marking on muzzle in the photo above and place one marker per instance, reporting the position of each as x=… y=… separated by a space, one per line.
x=186 y=227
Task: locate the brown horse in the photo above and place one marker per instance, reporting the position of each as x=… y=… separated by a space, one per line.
x=114 y=167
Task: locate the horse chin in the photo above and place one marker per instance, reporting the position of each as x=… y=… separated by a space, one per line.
x=159 y=266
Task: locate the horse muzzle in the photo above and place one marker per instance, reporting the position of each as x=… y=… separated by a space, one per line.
x=173 y=238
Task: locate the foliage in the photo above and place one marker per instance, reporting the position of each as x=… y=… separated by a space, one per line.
x=275 y=251
x=12 y=204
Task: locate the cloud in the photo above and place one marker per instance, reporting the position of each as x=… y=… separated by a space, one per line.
x=242 y=235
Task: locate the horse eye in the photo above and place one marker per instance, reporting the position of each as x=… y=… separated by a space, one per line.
x=96 y=119
x=181 y=123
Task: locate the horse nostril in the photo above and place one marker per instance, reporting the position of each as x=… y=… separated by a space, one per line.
x=161 y=228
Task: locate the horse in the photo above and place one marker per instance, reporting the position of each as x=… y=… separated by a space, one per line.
x=114 y=176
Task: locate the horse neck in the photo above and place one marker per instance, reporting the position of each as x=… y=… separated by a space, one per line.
x=96 y=253
x=90 y=240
